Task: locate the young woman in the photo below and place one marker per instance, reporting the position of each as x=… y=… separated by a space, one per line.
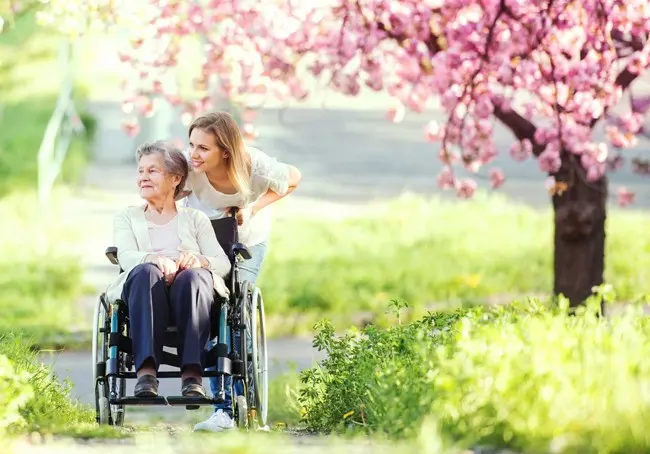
x=226 y=173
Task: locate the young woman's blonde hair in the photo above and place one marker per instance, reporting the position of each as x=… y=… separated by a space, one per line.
x=229 y=139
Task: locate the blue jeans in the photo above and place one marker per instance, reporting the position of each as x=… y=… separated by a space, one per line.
x=248 y=271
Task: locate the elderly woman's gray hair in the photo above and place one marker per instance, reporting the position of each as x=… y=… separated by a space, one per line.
x=174 y=162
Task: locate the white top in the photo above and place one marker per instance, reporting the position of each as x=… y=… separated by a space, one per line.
x=164 y=238
x=266 y=173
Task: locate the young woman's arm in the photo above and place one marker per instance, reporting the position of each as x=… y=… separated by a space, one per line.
x=271 y=196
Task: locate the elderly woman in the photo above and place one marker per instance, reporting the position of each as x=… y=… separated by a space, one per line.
x=172 y=265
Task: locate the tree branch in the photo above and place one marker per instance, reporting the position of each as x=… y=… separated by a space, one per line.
x=623 y=80
x=520 y=127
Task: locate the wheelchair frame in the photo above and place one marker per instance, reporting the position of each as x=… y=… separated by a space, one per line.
x=242 y=314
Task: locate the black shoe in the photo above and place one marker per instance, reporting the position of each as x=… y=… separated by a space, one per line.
x=147 y=386
x=191 y=387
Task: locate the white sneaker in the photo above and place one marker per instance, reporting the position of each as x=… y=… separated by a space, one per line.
x=217 y=422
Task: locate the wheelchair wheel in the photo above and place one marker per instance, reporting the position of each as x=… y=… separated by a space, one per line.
x=99 y=352
x=106 y=414
x=259 y=378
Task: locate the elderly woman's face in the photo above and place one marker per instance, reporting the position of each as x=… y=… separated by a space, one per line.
x=153 y=180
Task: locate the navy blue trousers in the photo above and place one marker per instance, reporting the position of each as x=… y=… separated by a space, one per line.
x=153 y=306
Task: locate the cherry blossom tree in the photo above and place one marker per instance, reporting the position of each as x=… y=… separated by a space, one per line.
x=551 y=71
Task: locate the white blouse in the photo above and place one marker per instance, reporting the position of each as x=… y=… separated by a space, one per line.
x=164 y=238
x=266 y=173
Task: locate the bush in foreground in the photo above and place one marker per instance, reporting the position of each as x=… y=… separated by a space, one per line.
x=526 y=376
x=15 y=392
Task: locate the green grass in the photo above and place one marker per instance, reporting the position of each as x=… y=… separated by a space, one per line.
x=40 y=273
x=47 y=407
x=30 y=77
x=40 y=277
x=527 y=377
x=25 y=123
x=284 y=410
x=428 y=252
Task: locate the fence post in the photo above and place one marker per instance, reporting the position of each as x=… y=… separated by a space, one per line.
x=63 y=123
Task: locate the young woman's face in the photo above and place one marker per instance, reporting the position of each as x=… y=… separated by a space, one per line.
x=204 y=152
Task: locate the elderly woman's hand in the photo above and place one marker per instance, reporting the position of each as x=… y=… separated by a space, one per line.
x=166 y=265
x=188 y=260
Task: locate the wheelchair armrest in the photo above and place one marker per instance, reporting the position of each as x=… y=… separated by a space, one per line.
x=240 y=249
x=111 y=253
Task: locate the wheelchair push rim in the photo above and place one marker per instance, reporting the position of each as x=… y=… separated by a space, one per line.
x=99 y=356
x=242 y=404
x=259 y=356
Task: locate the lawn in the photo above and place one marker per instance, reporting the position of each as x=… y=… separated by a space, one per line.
x=347 y=269
x=442 y=254
x=40 y=278
x=40 y=274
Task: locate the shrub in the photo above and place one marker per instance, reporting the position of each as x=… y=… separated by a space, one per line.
x=15 y=392
x=527 y=376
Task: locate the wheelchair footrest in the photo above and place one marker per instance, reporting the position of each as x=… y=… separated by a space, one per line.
x=166 y=400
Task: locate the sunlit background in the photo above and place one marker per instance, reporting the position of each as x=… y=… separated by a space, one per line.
x=368 y=226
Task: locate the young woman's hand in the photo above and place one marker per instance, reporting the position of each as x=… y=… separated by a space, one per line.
x=244 y=214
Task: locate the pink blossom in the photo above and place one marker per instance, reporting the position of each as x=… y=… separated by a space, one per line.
x=447 y=157
x=158 y=87
x=131 y=127
x=433 y=131
x=520 y=151
x=484 y=127
x=561 y=84
x=641 y=104
x=625 y=197
x=249 y=115
x=549 y=183
x=483 y=107
x=497 y=178
x=618 y=138
x=549 y=160
x=396 y=114
x=249 y=132
x=446 y=179
x=631 y=122
x=465 y=188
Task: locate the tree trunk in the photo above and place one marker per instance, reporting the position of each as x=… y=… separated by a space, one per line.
x=580 y=213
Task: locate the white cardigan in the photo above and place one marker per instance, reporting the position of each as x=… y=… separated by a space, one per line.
x=131 y=237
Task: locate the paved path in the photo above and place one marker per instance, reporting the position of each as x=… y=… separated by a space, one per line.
x=284 y=355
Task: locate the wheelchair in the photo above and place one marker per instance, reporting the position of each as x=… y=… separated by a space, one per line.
x=245 y=359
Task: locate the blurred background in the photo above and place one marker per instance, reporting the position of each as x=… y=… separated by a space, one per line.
x=367 y=226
